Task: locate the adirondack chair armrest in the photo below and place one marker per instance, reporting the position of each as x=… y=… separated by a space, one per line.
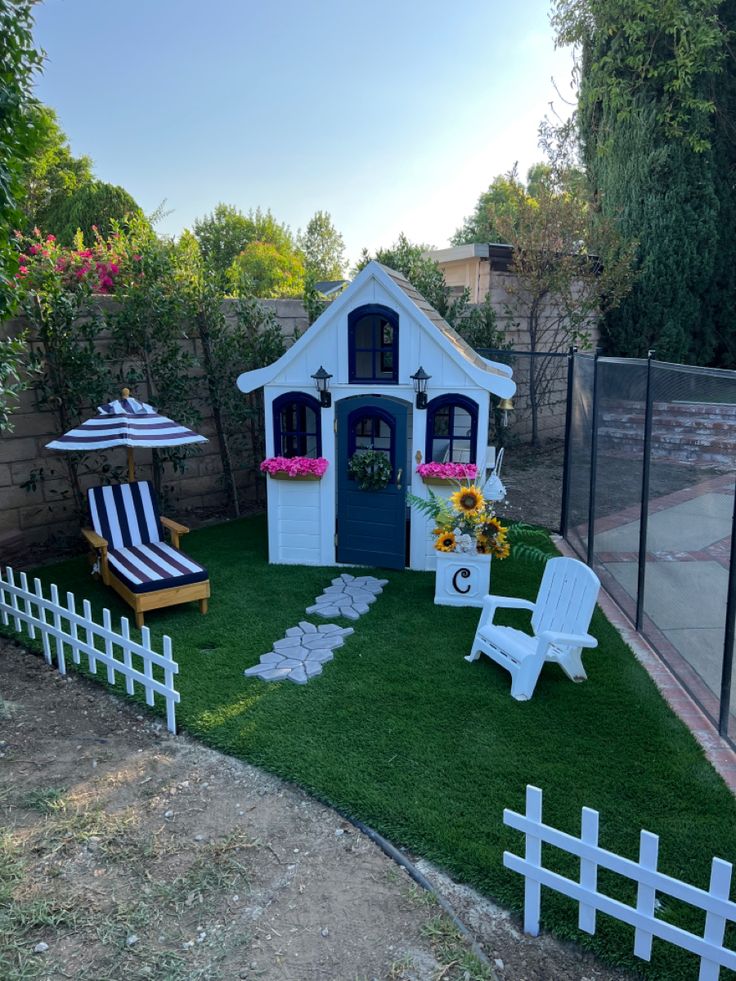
x=492 y=603
x=567 y=640
x=95 y=540
x=176 y=530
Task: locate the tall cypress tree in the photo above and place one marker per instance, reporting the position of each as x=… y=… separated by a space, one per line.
x=658 y=153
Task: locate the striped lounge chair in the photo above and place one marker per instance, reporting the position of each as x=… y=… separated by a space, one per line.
x=127 y=540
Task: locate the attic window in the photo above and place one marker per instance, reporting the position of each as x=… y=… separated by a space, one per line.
x=296 y=425
x=452 y=430
x=373 y=345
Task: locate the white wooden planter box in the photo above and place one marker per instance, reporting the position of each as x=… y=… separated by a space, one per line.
x=462 y=579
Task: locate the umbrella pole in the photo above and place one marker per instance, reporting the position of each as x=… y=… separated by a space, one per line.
x=131 y=465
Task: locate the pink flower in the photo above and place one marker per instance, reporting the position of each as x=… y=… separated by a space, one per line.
x=113 y=268
x=295 y=466
x=50 y=238
x=136 y=258
x=85 y=253
x=23 y=270
x=448 y=471
x=37 y=231
x=18 y=234
x=35 y=249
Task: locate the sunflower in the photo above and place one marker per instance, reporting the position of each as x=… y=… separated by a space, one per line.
x=502 y=551
x=445 y=542
x=468 y=499
x=493 y=527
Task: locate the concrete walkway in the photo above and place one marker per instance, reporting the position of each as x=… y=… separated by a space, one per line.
x=686 y=581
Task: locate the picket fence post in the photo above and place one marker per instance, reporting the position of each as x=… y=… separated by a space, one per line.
x=715 y=902
x=29 y=609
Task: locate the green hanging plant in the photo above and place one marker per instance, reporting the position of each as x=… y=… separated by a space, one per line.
x=371 y=469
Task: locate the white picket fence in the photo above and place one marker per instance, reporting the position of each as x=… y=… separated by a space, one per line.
x=80 y=634
x=715 y=902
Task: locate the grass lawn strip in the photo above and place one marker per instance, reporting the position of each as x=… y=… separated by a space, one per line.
x=406 y=736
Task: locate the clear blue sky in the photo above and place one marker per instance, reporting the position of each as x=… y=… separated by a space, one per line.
x=392 y=116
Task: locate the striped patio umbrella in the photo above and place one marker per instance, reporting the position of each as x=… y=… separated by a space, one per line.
x=126 y=422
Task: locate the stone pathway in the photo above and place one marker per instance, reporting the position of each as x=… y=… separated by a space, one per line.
x=348 y=596
x=300 y=654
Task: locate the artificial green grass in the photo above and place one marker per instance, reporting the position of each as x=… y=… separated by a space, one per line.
x=402 y=733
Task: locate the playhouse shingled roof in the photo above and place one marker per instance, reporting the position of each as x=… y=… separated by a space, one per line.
x=491 y=375
x=460 y=345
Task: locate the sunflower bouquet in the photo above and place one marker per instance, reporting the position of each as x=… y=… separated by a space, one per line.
x=464 y=523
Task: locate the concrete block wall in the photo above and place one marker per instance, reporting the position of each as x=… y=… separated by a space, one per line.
x=36 y=503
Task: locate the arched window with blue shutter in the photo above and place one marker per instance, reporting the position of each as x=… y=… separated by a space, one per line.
x=373 y=345
x=297 y=427
x=452 y=430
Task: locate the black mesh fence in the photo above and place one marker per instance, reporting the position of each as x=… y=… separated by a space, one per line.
x=649 y=504
x=533 y=434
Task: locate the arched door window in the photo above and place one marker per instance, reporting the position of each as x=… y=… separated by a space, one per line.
x=452 y=430
x=373 y=345
x=371 y=429
x=296 y=425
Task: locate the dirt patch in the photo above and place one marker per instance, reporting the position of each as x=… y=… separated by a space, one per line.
x=533 y=480
x=129 y=853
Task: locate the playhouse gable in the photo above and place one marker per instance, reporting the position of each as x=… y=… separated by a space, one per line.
x=418 y=337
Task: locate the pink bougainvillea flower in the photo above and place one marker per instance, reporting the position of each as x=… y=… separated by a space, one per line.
x=35 y=249
x=37 y=231
x=50 y=238
x=23 y=270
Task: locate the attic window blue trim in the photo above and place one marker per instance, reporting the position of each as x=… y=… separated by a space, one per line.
x=373 y=345
x=297 y=427
x=452 y=430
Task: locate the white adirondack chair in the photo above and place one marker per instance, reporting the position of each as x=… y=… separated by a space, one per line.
x=560 y=620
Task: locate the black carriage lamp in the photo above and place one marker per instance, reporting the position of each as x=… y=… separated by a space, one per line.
x=420 y=380
x=322 y=381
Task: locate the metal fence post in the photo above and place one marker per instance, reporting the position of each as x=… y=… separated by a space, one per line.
x=644 y=510
x=593 y=460
x=727 y=670
x=568 y=449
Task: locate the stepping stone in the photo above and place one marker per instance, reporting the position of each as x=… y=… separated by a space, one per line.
x=298 y=675
x=287 y=642
x=301 y=653
x=276 y=674
x=348 y=596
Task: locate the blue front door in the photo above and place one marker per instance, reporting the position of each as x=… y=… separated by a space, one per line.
x=371 y=524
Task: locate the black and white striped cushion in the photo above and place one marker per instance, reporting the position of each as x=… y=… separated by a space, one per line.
x=154 y=566
x=125 y=514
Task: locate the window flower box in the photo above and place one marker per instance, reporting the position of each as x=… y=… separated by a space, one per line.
x=446 y=474
x=295 y=467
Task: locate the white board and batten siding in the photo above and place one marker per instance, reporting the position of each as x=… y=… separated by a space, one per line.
x=708 y=946
x=66 y=632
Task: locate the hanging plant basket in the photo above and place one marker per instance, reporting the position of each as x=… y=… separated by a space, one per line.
x=370 y=469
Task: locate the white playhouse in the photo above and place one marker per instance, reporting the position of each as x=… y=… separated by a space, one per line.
x=379 y=370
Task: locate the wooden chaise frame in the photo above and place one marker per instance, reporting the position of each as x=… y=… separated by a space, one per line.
x=157 y=598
